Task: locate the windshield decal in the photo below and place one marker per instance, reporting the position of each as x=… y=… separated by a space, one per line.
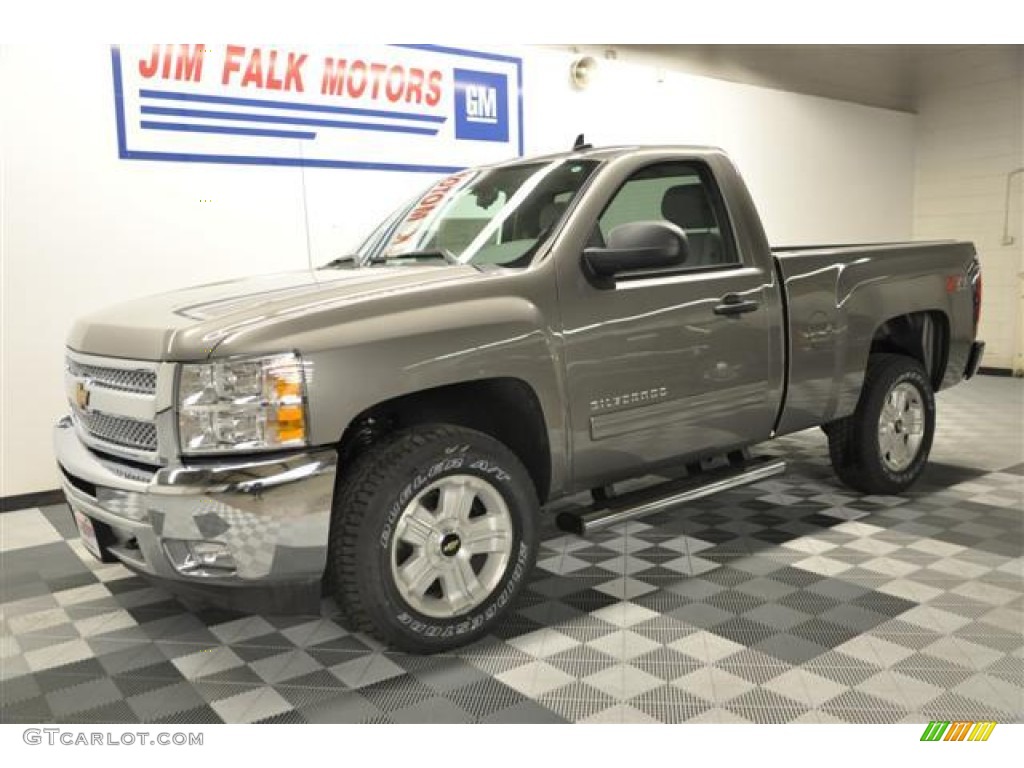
x=491 y=216
x=423 y=211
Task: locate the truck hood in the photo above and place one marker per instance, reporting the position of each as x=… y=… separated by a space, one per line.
x=188 y=324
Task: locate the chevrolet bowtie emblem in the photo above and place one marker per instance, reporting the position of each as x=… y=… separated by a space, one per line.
x=81 y=395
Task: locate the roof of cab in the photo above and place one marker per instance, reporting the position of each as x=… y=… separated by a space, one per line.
x=602 y=153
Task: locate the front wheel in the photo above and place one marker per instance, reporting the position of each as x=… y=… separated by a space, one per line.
x=434 y=532
x=884 y=445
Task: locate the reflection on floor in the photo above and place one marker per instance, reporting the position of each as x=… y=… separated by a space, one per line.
x=792 y=600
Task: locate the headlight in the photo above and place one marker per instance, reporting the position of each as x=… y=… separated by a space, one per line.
x=242 y=405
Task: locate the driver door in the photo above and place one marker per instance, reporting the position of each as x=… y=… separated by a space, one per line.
x=655 y=369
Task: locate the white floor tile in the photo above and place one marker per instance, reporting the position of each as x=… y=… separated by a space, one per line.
x=25 y=528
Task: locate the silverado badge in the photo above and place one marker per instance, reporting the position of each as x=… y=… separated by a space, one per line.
x=629 y=398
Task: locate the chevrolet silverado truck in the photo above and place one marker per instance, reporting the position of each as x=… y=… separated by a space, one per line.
x=388 y=428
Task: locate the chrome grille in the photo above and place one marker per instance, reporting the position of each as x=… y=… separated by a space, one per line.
x=128 y=472
x=140 y=435
x=118 y=404
x=124 y=379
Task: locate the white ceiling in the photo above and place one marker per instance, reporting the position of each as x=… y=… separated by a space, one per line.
x=887 y=76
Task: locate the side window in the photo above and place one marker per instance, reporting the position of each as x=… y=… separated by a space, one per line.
x=680 y=193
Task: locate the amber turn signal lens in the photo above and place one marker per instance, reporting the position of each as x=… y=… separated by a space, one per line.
x=290 y=424
x=287 y=388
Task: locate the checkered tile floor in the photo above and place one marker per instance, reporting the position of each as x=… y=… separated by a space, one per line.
x=794 y=600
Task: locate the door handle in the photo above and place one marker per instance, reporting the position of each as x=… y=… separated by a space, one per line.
x=733 y=304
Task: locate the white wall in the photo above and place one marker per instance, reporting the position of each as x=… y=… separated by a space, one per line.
x=970 y=135
x=83 y=229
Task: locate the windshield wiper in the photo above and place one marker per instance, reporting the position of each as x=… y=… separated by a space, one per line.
x=429 y=253
x=341 y=261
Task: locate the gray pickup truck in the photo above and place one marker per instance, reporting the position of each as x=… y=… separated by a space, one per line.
x=389 y=427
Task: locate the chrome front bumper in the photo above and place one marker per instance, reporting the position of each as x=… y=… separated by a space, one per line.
x=273 y=515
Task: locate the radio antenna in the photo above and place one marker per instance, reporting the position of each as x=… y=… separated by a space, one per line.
x=581 y=143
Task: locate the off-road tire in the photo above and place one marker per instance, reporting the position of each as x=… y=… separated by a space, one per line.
x=370 y=500
x=853 y=441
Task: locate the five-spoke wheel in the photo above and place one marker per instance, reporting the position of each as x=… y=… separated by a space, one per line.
x=434 y=533
x=452 y=545
x=883 y=446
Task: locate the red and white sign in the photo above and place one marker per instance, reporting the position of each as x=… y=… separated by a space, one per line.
x=410 y=108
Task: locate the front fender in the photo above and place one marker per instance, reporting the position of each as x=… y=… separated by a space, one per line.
x=496 y=326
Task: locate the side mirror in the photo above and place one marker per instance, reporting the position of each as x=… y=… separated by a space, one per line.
x=637 y=247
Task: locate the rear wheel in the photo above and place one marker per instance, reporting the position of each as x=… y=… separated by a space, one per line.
x=432 y=538
x=883 y=446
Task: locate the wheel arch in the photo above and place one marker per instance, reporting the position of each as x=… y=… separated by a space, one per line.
x=923 y=336
x=506 y=408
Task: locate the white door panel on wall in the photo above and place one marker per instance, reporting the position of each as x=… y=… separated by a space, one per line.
x=1018 y=363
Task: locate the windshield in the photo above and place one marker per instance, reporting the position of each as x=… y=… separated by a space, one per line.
x=486 y=216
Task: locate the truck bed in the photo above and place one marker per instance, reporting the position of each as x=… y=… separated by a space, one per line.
x=838 y=297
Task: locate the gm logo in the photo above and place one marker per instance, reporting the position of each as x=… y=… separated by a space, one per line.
x=481 y=105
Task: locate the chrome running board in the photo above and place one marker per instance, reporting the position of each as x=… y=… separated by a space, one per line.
x=647 y=501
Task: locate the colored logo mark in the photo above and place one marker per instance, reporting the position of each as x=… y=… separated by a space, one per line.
x=959 y=730
x=481 y=105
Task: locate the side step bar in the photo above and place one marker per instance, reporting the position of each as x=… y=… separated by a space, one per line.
x=647 y=501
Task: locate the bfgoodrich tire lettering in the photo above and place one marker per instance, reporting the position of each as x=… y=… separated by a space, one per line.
x=404 y=477
x=896 y=405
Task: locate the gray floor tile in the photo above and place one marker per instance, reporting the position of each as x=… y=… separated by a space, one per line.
x=165 y=701
x=790 y=648
x=524 y=712
x=435 y=710
x=341 y=708
x=87 y=695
